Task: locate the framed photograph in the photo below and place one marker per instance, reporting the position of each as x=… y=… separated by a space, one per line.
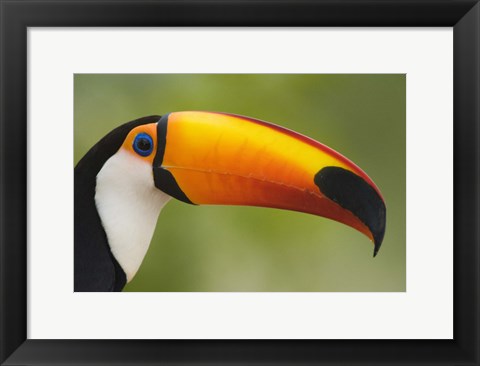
x=239 y=182
x=224 y=179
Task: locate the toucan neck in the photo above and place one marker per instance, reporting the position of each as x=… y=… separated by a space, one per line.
x=95 y=268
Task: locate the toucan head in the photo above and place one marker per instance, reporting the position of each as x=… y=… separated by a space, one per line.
x=224 y=159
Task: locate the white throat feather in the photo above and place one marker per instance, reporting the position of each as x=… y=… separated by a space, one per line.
x=128 y=204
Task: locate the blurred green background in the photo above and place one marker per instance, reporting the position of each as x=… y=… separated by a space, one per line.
x=223 y=248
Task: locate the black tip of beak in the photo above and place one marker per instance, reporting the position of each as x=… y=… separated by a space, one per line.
x=353 y=193
x=378 y=244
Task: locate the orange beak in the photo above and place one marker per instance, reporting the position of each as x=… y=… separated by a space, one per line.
x=225 y=159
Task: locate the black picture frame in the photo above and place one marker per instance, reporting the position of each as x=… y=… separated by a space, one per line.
x=17 y=15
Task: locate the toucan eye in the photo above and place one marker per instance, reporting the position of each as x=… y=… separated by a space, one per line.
x=143 y=144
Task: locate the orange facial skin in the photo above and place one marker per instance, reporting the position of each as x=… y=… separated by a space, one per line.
x=151 y=130
x=226 y=159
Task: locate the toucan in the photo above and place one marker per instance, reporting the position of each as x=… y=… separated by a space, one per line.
x=197 y=157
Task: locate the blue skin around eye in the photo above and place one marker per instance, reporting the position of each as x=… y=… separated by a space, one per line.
x=136 y=144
